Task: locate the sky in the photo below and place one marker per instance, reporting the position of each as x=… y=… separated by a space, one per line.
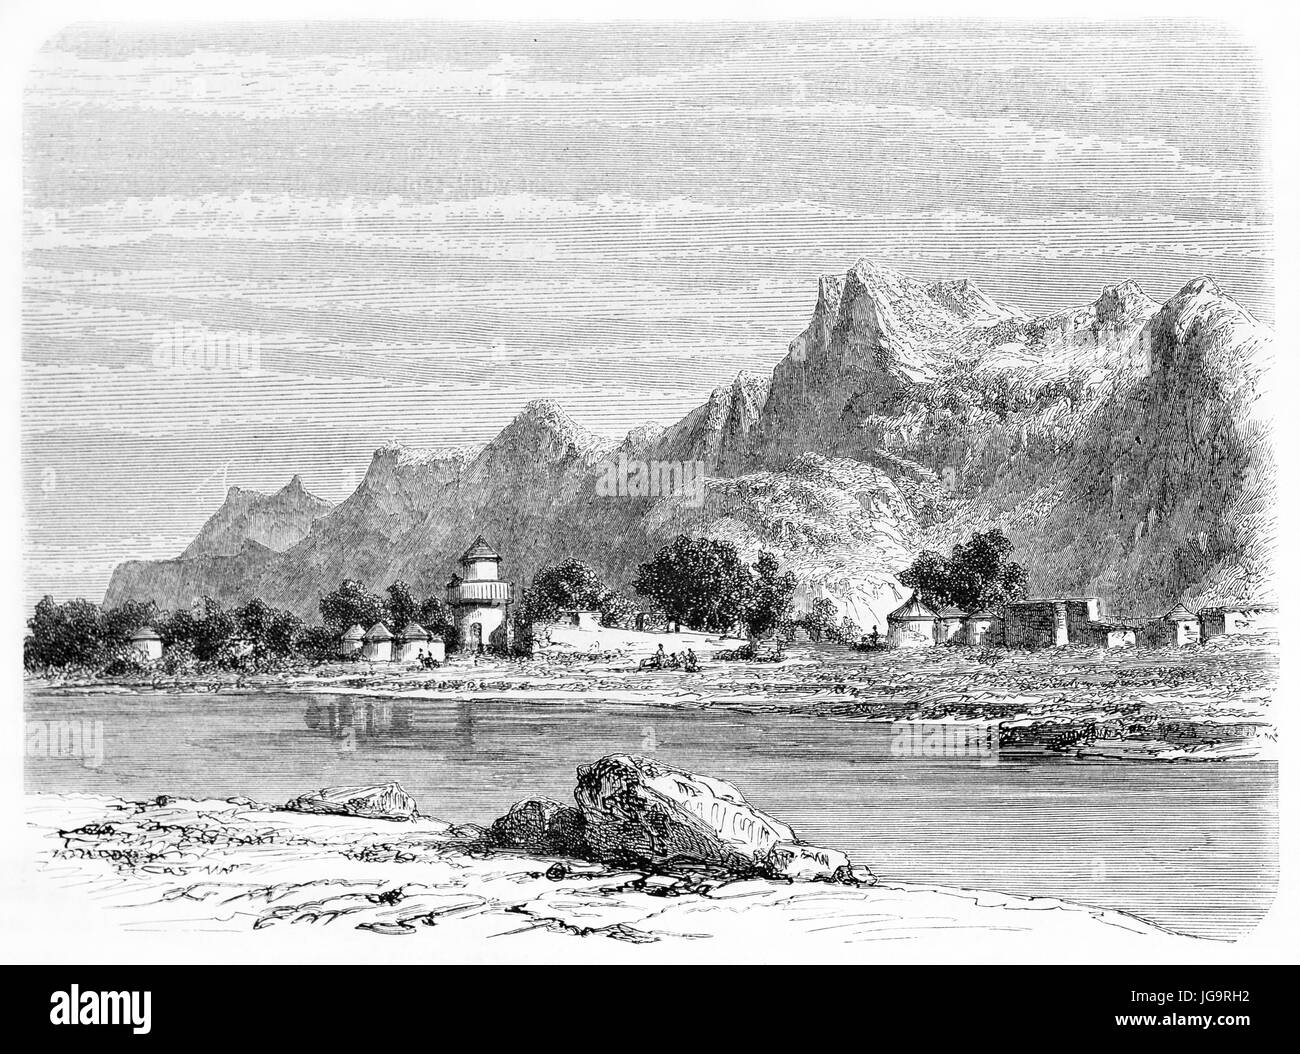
x=405 y=232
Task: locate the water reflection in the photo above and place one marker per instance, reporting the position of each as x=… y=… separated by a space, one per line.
x=347 y=720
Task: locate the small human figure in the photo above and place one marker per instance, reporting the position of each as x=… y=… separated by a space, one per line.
x=692 y=663
x=875 y=636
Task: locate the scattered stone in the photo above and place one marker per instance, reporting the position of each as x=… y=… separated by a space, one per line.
x=858 y=875
x=639 y=810
x=386 y=802
x=540 y=825
x=467 y=832
x=556 y=872
x=804 y=863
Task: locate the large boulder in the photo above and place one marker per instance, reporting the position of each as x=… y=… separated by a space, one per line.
x=540 y=825
x=386 y=802
x=639 y=811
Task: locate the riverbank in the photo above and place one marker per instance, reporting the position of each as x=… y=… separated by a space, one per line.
x=1179 y=701
x=239 y=867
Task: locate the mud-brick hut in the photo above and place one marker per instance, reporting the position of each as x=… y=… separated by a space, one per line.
x=913 y=625
x=414 y=640
x=351 y=641
x=1231 y=619
x=983 y=627
x=949 y=626
x=147 y=644
x=377 y=645
x=1178 y=626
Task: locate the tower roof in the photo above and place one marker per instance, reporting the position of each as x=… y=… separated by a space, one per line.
x=480 y=550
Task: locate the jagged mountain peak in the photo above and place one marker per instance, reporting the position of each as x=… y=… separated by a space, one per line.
x=1124 y=299
x=543 y=428
x=273 y=521
x=642 y=436
x=1202 y=284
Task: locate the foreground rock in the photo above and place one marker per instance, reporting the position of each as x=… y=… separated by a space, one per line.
x=540 y=825
x=386 y=802
x=639 y=811
x=240 y=867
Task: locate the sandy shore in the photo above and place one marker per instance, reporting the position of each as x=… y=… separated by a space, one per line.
x=233 y=866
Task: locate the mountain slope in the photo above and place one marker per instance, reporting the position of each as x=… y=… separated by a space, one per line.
x=1123 y=446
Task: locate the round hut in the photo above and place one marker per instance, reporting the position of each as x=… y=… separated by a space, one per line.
x=350 y=643
x=408 y=644
x=146 y=643
x=377 y=645
x=912 y=625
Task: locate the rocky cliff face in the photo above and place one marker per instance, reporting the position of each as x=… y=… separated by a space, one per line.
x=1123 y=446
x=276 y=521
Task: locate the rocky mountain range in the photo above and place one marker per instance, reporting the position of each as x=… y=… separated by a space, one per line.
x=1123 y=446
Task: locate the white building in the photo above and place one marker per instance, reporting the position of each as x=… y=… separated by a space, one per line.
x=146 y=643
x=477 y=598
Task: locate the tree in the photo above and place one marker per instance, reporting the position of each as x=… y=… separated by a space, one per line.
x=270 y=630
x=572 y=585
x=351 y=604
x=66 y=634
x=769 y=602
x=118 y=625
x=435 y=618
x=316 y=642
x=699 y=582
x=820 y=618
x=401 y=607
x=214 y=631
x=979 y=574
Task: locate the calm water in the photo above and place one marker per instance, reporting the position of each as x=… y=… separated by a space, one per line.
x=1190 y=846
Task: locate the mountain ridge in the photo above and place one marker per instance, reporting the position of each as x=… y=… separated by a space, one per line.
x=906 y=414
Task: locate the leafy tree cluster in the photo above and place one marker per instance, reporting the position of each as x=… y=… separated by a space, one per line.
x=704 y=584
x=572 y=585
x=353 y=604
x=978 y=574
x=79 y=633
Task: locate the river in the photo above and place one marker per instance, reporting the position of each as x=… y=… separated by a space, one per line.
x=1190 y=846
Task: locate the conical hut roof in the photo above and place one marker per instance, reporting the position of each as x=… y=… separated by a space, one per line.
x=912 y=610
x=1179 y=613
x=414 y=631
x=378 y=632
x=145 y=633
x=355 y=632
